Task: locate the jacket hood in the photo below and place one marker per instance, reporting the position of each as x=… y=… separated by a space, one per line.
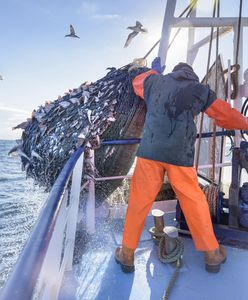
x=183 y=71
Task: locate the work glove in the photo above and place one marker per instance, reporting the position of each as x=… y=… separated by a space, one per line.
x=156 y=65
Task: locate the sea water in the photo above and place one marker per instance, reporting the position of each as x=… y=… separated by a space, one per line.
x=20 y=204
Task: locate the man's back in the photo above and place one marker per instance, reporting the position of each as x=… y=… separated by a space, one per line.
x=172 y=103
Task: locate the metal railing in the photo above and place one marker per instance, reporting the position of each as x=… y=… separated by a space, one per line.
x=48 y=253
x=49 y=249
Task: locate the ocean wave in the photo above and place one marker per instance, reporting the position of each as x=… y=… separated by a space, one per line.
x=9 y=179
x=20 y=203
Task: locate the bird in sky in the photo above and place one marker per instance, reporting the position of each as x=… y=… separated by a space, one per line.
x=136 y=29
x=1 y=77
x=72 y=33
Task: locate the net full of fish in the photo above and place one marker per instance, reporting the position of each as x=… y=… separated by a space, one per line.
x=104 y=110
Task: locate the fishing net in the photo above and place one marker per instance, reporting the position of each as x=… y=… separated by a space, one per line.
x=106 y=109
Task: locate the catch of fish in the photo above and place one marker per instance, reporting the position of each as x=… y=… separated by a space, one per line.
x=106 y=109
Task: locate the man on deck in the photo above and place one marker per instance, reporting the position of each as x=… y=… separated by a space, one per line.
x=173 y=100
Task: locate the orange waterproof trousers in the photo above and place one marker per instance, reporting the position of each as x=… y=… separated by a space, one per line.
x=146 y=183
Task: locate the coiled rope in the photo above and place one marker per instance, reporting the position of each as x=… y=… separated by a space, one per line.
x=174 y=256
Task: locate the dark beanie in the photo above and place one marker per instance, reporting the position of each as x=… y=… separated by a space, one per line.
x=182 y=65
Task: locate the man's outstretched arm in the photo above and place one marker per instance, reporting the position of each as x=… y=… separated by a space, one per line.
x=225 y=116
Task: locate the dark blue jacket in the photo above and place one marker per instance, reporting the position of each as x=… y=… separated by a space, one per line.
x=173 y=101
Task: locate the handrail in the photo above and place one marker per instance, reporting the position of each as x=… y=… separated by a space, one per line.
x=22 y=281
x=132 y=141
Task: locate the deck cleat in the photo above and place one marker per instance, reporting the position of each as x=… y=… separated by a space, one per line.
x=157 y=231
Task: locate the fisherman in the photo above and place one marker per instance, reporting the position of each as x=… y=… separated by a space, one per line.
x=173 y=101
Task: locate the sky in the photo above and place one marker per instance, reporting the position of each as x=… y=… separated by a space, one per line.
x=38 y=63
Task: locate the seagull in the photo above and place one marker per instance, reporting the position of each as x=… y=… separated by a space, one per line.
x=72 y=33
x=136 y=29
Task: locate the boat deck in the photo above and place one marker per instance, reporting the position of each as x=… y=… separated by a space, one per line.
x=98 y=277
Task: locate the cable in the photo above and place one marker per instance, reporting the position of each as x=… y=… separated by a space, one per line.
x=206 y=80
x=190 y=7
x=235 y=75
x=239 y=27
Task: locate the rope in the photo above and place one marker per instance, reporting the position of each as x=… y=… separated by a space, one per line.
x=216 y=91
x=206 y=80
x=172 y=281
x=174 y=256
x=239 y=26
x=235 y=73
x=211 y=192
x=234 y=81
x=213 y=151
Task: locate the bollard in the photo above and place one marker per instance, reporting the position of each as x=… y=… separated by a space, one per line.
x=158 y=230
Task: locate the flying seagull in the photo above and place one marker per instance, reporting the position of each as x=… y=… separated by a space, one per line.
x=72 y=33
x=136 y=29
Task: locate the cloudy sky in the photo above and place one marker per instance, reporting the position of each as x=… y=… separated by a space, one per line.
x=38 y=63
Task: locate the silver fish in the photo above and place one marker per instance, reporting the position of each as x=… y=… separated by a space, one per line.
x=22 y=125
x=21 y=153
x=89 y=115
x=35 y=154
x=64 y=104
x=14 y=149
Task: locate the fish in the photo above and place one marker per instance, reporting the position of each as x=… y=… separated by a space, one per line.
x=35 y=154
x=22 y=154
x=74 y=100
x=22 y=125
x=64 y=104
x=27 y=166
x=89 y=115
x=14 y=149
x=111 y=119
x=111 y=69
x=86 y=115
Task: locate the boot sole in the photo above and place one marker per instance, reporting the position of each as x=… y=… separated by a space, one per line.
x=125 y=268
x=214 y=268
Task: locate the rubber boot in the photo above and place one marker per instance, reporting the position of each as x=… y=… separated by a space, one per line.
x=125 y=257
x=214 y=259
